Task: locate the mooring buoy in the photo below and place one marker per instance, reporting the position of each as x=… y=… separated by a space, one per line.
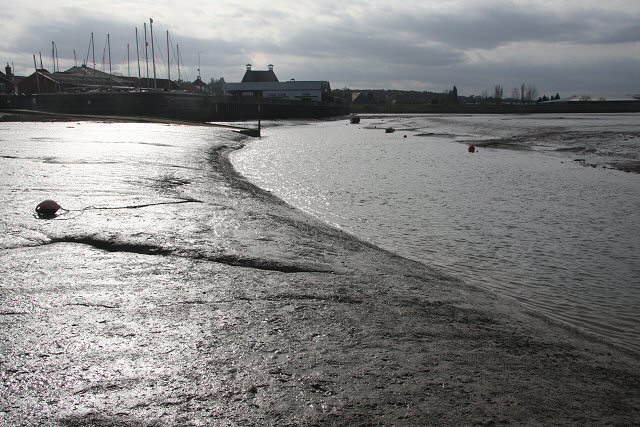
x=47 y=209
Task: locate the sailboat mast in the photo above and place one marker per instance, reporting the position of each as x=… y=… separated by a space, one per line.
x=53 y=55
x=200 y=83
x=109 y=50
x=168 y=61
x=146 y=52
x=93 y=50
x=86 y=61
x=178 y=49
x=128 y=63
x=153 y=55
x=138 y=52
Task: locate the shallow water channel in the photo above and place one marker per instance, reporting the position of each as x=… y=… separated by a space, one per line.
x=538 y=215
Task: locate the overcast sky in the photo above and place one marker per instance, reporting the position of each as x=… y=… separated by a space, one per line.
x=566 y=46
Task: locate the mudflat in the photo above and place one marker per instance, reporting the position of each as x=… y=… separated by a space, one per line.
x=287 y=321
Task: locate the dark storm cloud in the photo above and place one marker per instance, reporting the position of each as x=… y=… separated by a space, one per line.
x=490 y=27
x=76 y=35
x=390 y=50
x=627 y=33
x=548 y=77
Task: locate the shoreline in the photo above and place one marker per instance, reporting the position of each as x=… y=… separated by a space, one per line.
x=581 y=107
x=354 y=335
x=244 y=182
x=350 y=200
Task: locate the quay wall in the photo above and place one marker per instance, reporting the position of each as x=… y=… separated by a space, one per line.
x=189 y=107
x=556 y=107
x=205 y=108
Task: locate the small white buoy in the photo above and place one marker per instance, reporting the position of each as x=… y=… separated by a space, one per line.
x=47 y=209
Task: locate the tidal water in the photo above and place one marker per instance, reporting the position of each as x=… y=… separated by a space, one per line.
x=543 y=217
x=545 y=212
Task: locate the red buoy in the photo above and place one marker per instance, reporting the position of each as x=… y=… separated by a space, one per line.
x=47 y=209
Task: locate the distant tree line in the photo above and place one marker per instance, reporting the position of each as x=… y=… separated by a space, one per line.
x=216 y=86
x=524 y=94
x=545 y=98
x=392 y=97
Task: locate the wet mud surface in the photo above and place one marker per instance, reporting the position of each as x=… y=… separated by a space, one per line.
x=283 y=321
x=594 y=144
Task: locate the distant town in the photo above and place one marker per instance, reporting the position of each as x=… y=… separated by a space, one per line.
x=264 y=83
x=83 y=89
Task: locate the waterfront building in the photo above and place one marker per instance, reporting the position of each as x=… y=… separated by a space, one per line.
x=86 y=79
x=7 y=81
x=265 y=84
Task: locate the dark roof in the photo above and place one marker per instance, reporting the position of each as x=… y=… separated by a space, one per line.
x=91 y=78
x=199 y=82
x=85 y=72
x=259 y=76
x=82 y=76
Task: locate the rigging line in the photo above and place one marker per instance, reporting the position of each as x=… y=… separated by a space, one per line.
x=86 y=61
x=174 y=55
x=181 y=68
x=185 y=71
x=161 y=56
x=180 y=62
x=104 y=52
x=124 y=65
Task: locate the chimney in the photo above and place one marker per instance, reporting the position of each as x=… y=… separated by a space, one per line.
x=248 y=67
x=7 y=70
x=271 y=67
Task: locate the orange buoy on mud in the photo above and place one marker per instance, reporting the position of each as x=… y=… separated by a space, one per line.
x=47 y=209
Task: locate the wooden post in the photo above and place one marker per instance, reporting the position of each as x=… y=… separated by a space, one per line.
x=259 y=117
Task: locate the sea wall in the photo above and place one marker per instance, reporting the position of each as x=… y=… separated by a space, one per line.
x=203 y=108
x=559 y=107
x=191 y=107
